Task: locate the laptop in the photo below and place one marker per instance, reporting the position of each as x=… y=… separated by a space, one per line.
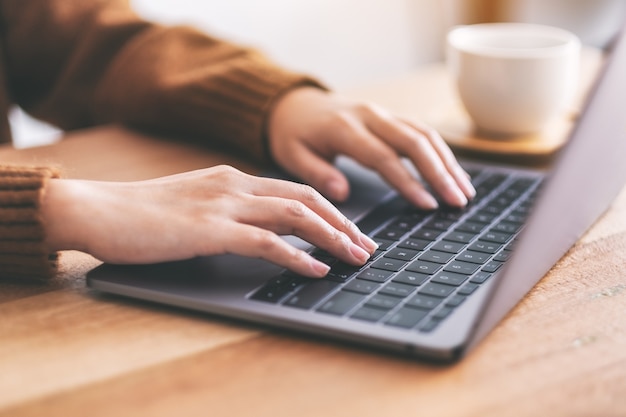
x=440 y=280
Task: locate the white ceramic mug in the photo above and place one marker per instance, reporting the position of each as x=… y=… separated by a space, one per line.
x=514 y=78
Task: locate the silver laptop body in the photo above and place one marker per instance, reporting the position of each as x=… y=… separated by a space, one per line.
x=581 y=185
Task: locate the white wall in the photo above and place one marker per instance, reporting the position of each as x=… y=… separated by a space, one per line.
x=344 y=42
x=594 y=21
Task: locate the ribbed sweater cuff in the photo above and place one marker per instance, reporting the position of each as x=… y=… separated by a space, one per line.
x=23 y=253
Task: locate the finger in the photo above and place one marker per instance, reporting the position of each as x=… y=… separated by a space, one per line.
x=292 y=217
x=418 y=148
x=318 y=172
x=445 y=153
x=313 y=200
x=370 y=151
x=251 y=241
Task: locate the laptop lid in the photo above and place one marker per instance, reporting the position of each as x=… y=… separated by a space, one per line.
x=585 y=179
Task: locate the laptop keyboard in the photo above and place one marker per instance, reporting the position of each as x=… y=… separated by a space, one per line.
x=427 y=264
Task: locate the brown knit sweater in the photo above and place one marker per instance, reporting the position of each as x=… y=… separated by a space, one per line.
x=80 y=63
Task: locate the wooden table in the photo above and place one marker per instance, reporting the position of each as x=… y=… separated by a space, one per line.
x=66 y=351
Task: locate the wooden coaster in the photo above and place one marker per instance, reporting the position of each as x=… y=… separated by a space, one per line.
x=460 y=133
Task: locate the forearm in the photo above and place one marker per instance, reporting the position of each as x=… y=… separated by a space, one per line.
x=76 y=64
x=200 y=213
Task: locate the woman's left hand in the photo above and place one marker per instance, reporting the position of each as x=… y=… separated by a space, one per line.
x=309 y=127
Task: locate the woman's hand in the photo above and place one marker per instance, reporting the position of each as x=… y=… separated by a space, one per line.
x=212 y=211
x=308 y=128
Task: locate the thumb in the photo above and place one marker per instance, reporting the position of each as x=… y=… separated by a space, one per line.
x=318 y=173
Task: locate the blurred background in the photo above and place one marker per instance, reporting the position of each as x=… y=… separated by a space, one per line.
x=347 y=43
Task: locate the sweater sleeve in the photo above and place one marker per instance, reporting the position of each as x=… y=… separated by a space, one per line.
x=22 y=250
x=77 y=63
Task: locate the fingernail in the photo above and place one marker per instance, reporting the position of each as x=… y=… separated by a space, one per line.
x=466 y=184
x=469 y=188
x=453 y=193
x=319 y=267
x=459 y=196
x=369 y=244
x=358 y=252
x=425 y=201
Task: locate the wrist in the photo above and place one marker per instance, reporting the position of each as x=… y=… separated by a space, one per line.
x=61 y=214
x=286 y=113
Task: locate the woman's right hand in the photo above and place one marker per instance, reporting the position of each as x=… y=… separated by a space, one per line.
x=206 y=212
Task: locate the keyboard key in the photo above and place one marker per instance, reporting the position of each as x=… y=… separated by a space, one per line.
x=388 y=264
x=450 y=247
x=442 y=313
x=492 y=266
x=480 y=277
x=361 y=286
x=473 y=257
x=311 y=293
x=423 y=267
x=456 y=300
x=502 y=256
x=438 y=224
x=376 y=275
x=425 y=302
x=460 y=267
x=471 y=227
x=427 y=234
x=403 y=224
x=502 y=201
x=397 y=289
x=468 y=289
x=492 y=209
x=340 y=303
x=437 y=290
x=369 y=314
x=389 y=234
x=341 y=272
x=382 y=301
x=450 y=278
x=449 y=213
x=401 y=254
x=276 y=288
x=461 y=237
x=414 y=244
x=406 y=317
x=486 y=247
x=411 y=278
x=436 y=256
x=515 y=219
x=506 y=227
x=416 y=215
x=485 y=218
x=376 y=255
x=497 y=237
x=383 y=244
x=428 y=325
x=271 y=293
